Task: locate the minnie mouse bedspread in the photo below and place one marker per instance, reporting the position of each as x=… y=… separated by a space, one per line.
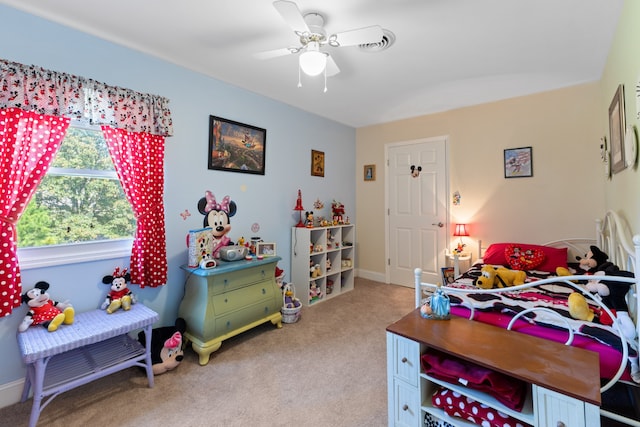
x=499 y=308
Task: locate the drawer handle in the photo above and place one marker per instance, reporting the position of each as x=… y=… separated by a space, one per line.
x=264 y=291
x=404 y=360
x=405 y=407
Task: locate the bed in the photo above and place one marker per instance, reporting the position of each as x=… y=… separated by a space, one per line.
x=541 y=307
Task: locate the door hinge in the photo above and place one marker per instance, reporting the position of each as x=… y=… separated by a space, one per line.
x=388 y=261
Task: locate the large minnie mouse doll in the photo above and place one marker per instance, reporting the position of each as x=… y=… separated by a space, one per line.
x=44 y=311
x=216 y=216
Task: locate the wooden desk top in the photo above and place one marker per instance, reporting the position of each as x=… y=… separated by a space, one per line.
x=567 y=370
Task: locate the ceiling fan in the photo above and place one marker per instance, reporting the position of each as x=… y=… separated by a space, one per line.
x=313 y=60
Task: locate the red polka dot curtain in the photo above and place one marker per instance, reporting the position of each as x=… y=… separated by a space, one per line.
x=36 y=106
x=28 y=144
x=139 y=162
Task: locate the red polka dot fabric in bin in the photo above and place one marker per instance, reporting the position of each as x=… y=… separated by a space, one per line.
x=456 y=405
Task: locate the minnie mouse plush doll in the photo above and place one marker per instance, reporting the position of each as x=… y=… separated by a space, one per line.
x=44 y=311
x=216 y=217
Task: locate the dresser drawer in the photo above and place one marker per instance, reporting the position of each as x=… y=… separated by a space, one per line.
x=240 y=279
x=239 y=298
x=241 y=318
x=406 y=360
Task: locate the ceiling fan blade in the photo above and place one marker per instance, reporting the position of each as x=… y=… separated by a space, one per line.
x=268 y=54
x=372 y=34
x=292 y=16
x=332 y=67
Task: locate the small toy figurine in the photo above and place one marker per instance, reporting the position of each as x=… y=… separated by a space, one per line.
x=44 y=311
x=337 y=212
x=119 y=295
x=309 y=219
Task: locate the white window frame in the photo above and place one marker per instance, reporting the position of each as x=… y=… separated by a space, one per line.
x=54 y=255
x=49 y=256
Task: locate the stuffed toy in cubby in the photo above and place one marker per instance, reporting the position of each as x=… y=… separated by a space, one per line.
x=44 y=311
x=167 y=346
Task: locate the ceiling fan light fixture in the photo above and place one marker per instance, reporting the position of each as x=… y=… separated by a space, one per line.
x=312 y=62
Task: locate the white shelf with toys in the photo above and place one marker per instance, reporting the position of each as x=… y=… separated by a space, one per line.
x=322 y=261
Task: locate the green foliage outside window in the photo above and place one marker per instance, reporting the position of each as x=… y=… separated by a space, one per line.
x=80 y=199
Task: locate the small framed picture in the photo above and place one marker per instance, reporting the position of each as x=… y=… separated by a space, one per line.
x=266 y=249
x=369 y=172
x=317 y=163
x=617 y=130
x=518 y=162
x=448 y=276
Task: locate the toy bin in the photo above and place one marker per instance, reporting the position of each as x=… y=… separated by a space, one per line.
x=290 y=314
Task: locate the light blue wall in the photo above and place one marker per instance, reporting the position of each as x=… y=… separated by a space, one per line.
x=267 y=200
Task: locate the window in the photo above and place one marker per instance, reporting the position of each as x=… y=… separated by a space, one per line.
x=79 y=208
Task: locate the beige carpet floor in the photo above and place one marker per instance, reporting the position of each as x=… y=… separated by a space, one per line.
x=328 y=369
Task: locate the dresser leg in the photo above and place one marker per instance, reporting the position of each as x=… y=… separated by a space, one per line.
x=205 y=352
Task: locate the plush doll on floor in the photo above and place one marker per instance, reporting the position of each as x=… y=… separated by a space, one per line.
x=120 y=296
x=167 y=349
x=44 y=311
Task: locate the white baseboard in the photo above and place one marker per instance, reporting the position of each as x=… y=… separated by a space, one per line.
x=11 y=393
x=371 y=275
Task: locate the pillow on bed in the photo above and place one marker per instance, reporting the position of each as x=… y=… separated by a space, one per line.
x=553 y=257
x=525 y=259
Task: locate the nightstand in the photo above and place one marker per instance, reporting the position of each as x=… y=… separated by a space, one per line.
x=461 y=262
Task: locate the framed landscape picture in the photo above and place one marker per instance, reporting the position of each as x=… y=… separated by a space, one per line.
x=236 y=147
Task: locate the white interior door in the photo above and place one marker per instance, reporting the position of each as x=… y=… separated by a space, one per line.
x=417 y=211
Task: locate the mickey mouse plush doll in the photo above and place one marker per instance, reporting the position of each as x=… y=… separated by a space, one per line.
x=119 y=295
x=216 y=217
x=44 y=311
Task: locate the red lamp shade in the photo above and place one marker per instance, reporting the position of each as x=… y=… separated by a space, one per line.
x=461 y=230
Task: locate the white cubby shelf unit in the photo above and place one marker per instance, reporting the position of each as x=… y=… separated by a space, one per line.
x=330 y=252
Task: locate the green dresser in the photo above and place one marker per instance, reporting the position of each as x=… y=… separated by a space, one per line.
x=227 y=300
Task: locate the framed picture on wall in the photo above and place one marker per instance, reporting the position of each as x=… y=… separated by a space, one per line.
x=369 y=172
x=518 y=162
x=617 y=130
x=317 y=163
x=236 y=147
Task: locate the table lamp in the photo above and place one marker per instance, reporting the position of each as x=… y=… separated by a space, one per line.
x=299 y=208
x=460 y=231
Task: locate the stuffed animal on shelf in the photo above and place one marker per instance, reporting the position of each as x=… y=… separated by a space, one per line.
x=499 y=277
x=167 y=349
x=44 y=311
x=120 y=296
x=216 y=217
x=314 y=291
x=315 y=271
x=337 y=212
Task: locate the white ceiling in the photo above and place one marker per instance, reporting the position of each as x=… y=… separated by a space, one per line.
x=447 y=53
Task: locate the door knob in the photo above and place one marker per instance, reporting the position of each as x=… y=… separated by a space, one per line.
x=439 y=224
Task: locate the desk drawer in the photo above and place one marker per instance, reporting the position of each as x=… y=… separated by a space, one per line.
x=407 y=359
x=239 y=298
x=240 y=279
